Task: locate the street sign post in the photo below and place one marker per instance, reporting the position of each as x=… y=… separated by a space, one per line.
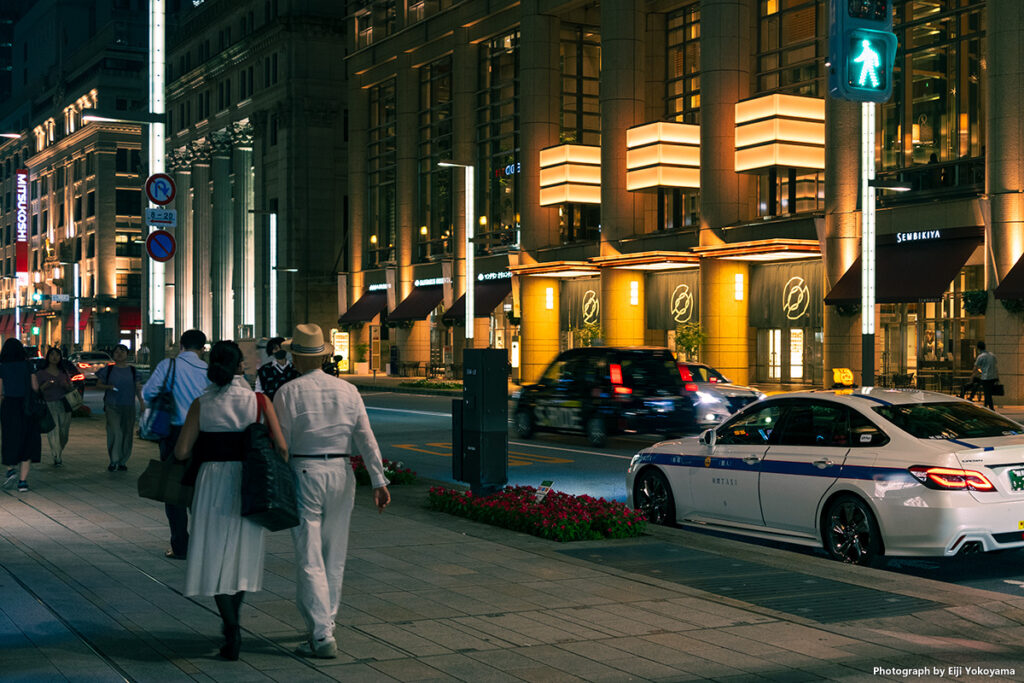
x=160 y=189
x=160 y=245
x=162 y=218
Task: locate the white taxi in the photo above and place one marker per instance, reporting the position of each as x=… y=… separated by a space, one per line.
x=863 y=473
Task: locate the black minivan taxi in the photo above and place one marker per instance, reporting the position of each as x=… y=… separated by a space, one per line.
x=604 y=390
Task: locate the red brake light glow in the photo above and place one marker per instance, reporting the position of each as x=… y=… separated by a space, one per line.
x=691 y=386
x=623 y=390
x=684 y=374
x=616 y=372
x=78 y=378
x=951 y=479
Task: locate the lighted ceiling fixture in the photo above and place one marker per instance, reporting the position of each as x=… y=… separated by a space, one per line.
x=570 y=173
x=663 y=154
x=648 y=260
x=557 y=269
x=784 y=131
x=762 y=250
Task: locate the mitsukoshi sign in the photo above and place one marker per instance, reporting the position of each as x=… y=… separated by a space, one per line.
x=21 y=224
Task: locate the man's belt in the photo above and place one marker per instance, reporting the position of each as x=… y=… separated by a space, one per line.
x=322 y=456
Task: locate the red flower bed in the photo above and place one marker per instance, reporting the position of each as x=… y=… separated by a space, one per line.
x=559 y=517
x=396 y=472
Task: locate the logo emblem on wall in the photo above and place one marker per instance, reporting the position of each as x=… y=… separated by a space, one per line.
x=796 y=297
x=682 y=304
x=591 y=307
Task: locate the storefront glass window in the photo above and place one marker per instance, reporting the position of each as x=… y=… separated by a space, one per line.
x=381 y=160
x=936 y=115
x=580 y=116
x=791 y=47
x=498 y=167
x=435 y=197
x=682 y=81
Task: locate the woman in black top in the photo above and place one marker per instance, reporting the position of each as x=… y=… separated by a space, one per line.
x=20 y=442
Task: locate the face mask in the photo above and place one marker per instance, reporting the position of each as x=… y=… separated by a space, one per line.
x=280 y=355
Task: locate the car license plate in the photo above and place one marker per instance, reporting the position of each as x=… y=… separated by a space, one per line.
x=1017 y=479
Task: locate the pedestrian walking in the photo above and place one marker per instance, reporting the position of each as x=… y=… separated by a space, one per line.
x=20 y=442
x=122 y=389
x=188 y=371
x=225 y=558
x=985 y=370
x=273 y=374
x=323 y=421
x=54 y=381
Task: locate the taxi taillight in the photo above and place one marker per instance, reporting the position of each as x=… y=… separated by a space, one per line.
x=615 y=371
x=951 y=479
x=684 y=374
x=78 y=378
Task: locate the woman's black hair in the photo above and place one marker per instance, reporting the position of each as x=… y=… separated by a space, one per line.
x=12 y=351
x=60 y=360
x=225 y=357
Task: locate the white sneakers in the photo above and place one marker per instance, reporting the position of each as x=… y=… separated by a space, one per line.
x=322 y=648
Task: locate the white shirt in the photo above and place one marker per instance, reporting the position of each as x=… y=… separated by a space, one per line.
x=985 y=364
x=323 y=414
x=230 y=408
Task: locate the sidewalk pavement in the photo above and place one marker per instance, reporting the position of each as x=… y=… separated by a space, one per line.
x=89 y=596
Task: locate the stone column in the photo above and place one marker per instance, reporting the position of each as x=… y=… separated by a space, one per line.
x=725 y=319
x=539 y=345
x=202 y=235
x=183 y=298
x=840 y=245
x=540 y=92
x=358 y=123
x=243 y=276
x=622 y=107
x=1004 y=180
x=726 y=37
x=222 y=250
x=622 y=320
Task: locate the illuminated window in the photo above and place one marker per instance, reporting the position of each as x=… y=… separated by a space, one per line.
x=790 y=53
x=498 y=165
x=580 y=51
x=683 y=67
x=381 y=162
x=436 y=196
x=738 y=287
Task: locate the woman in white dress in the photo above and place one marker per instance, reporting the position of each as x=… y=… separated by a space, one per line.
x=225 y=552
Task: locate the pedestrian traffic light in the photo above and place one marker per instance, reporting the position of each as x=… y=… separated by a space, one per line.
x=37 y=297
x=861 y=50
x=35 y=329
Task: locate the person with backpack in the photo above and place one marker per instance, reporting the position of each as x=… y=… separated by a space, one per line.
x=120 y=382
x=184 y=377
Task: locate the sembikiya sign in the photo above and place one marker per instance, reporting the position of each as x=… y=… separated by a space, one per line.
x=21 y=224
x=922 y=236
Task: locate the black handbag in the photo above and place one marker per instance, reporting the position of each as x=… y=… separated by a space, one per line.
x=998 y=389
x=268 y=483
x=161 y=480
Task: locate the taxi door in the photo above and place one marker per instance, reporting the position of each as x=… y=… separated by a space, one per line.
x=726 y=486
x=560 y=404
x=814 y=440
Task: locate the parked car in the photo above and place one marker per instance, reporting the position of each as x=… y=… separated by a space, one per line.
x=604 y=390
x=862 y=473
x=89 y=362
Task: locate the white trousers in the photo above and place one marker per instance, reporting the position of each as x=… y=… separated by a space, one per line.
x=326 y=492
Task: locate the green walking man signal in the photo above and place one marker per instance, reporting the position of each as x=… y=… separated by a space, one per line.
x=862 y=50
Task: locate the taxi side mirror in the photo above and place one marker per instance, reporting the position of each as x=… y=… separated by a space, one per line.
x=709 y=437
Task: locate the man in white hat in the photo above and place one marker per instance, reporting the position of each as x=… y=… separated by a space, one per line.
x=323 y=420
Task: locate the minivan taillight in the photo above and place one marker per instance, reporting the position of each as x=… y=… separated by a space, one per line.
x=615 y=370
x=691 y=386
x=951 y=479
x=684 y=374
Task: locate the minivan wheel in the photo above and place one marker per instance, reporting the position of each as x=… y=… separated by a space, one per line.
x=597 y=433
x=652 y=495
x=524 y=424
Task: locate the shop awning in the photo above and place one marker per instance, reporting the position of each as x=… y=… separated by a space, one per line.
x=28 y=320
x=487 y=295
x=129 y=318
x=6 y=324
x=418 y=305
x=69 y=322
x=365 y=308
x=908 y=273
x=1012 y=284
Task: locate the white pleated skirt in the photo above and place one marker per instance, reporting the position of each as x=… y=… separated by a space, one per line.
x=225 y=550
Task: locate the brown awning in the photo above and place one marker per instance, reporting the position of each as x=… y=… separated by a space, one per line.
x=486 y=297
x=1012 y=285
x=418 y=305
x=365 y=308
x=908 y=272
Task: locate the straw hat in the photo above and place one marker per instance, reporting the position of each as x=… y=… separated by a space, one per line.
x=308 y=340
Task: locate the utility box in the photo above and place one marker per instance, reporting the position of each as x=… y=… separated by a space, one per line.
x=480 y=422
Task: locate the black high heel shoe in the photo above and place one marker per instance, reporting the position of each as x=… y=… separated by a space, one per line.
x=232 y=643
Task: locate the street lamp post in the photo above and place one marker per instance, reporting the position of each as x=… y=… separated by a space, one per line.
x=470 y=271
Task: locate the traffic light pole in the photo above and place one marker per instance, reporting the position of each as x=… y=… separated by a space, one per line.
x=867 y=244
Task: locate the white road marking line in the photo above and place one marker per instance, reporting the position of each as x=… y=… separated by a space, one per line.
x=570 y=450
x=412 y=412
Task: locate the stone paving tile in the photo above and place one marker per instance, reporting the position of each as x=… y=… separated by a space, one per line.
x=555 y=595
x=566 y=620
x=496 y=602
x=567 y=661
x=679 y=650
x=545 y=674
x=408 y=670
x=805 y=639
x=495 y=629
x=447 y=635
x=648 y=670
x=980 y=615
x=416 y=603
x=465 y=668
x=710 y=614
x=360 y=645
x=402 y=639
x=646 y=613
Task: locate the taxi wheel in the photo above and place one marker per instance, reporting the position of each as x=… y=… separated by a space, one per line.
x=524 y=424
x=652 y=495
x=597 y=432
x=851 y=532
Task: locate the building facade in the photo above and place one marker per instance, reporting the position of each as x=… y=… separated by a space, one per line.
x=71 y=254
x=643 y=168
x=256 y=145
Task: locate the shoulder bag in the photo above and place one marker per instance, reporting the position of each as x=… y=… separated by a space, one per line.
x=268 y=483
x=161 y=408
x=36 y=409
x=998 y=389
x=161 y=480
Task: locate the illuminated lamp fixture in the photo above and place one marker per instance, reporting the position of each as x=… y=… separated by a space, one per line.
x=663 y=154
x=557 y=269
x=570 y=173
x=784 y=131
x=764 y=251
